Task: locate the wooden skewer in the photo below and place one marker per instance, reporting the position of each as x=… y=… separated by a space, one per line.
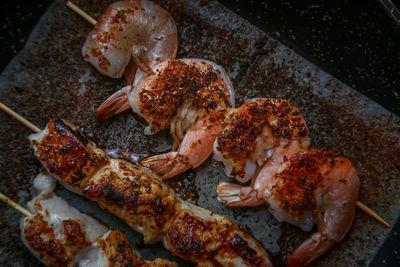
x=82 y=13
x=14 y=205
x=28 y=124
x=19 y=118
x=371 y=213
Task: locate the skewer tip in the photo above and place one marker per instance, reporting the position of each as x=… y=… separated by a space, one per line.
x=372 y=213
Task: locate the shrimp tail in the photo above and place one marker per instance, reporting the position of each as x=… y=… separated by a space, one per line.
x=115 y=104
x=166 y=165
x=139 y=60
x=130 y=72
x=309 y=250
x=238 y=196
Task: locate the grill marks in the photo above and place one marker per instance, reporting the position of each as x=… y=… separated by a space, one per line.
x=122 y=254
x=144 y=202
x=68 y=154
x=141 y=201
x=179 y=82
x=249 y=255
x=194 y=239
x=212 y=239
x=54 y=251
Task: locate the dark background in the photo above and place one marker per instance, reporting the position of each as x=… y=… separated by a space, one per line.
x=357 y=42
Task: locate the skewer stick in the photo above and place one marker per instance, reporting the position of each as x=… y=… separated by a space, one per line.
x=82 y=13
x=371 y=213
x=35 y=129
x=14 y=205
x=19 y=118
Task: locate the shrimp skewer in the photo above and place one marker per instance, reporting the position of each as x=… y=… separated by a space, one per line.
x=327 y=197
x=130 y=35
x=59 y=235
x=192 y=97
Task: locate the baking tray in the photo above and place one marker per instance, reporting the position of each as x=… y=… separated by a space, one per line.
x=49 y=79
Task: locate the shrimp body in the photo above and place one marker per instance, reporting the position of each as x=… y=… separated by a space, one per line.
x=315 y=187
x=129 y=35
x=311 y=187
x=260 y=130
x=190 y=96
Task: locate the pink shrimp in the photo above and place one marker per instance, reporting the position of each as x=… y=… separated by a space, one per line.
x=192 y=97
x=260 y=130
x=129 y=35
x=311 y=187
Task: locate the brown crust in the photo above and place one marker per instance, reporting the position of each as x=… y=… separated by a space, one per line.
x=68 y=154
x=118 y=250
x=296 y=184
x=241 y=248
x=147 y=203
x=59 y=252
x=237 y=141
x=193 y=239
x=75 y=236
x=180 y=81
x=133 y=195
x=121 y=254
x=214 y=240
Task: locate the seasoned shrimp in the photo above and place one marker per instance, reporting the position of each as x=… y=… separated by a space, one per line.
x=192 y=97
x=129 y=35
x=260 y=130
x=311 y=187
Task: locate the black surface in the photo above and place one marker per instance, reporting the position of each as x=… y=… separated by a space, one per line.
x=356 y=42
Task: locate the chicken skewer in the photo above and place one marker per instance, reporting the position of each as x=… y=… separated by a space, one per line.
x=59 y=235
x=143 y=201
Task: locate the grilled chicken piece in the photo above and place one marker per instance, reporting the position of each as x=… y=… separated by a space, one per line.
x=129 y=192
x=198 y=235
x=114 y=249
x=67 y=154
x=59 y=235
x=138 y=198
x=56 y=231
x=145 y=202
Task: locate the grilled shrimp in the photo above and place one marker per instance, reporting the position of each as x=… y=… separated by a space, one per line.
x=129 y=35
x=260 y=130
x=311 y=187
x=192 y=97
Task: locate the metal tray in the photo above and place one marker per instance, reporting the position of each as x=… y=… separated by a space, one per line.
x=49 y=79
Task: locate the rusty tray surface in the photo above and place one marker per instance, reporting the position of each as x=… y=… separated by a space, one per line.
x=50 y=79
